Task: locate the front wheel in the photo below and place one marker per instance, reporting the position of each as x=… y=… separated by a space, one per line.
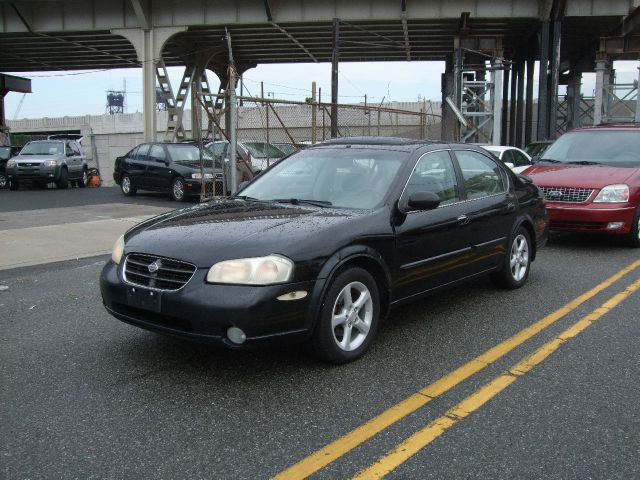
x=349 y=317
x=177 y=189
x=633 y=240
x=517 y=263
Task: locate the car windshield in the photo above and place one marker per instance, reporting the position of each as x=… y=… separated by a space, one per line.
x=619 y=148
x=342 y=177
x=538 y=148
x=43 y=148
x=189 y=155
x=263 y=150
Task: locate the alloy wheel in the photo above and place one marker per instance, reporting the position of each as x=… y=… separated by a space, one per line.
x=178 y=189
x=519 y=258
x=126 y=185
x=352 y=316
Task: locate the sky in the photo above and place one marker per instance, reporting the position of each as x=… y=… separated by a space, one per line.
x=57 y=94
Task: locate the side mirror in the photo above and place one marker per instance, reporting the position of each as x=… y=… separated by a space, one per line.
x=423 y=201
x=525 y=179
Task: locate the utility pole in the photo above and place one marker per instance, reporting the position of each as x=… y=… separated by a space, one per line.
x=233 y=116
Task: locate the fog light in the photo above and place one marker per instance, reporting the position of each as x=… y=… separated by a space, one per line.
x=297 y=295
x=236 y=335
x=614 y=225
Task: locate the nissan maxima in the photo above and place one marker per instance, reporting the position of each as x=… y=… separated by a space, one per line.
x=323 y=244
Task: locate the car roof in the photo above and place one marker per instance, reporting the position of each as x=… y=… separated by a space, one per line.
x=498 y=148
x=610 y=126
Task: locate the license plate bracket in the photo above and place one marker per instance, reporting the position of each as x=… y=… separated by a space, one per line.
x=144 y=299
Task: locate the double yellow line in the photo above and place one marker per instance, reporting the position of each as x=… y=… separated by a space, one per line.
x=328 y=454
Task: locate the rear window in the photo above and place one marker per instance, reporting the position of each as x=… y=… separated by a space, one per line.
x=619 y=148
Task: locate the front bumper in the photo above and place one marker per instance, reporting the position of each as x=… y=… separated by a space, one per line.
x=591 y=218
x=203 y=312
x=33 y=171
x=212 y=187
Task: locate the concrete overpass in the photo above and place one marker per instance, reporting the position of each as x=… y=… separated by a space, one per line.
x=565 y=35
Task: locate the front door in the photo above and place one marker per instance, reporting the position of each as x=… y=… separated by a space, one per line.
x=433 y=246
x=159 y=174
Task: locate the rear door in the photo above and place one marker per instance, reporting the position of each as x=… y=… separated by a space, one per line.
x=432 y=246
x=490 y=207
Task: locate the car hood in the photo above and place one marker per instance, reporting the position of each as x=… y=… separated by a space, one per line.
x=207 y=233
x=578 y=176
x=35 y=158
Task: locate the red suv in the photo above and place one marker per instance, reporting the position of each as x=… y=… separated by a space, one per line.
x=591 y=181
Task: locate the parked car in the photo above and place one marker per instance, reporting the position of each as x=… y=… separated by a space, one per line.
x=257 y=155
x=173 y=168
x=591 y=181
x=5 y=155
x=44 y=161
x=513 y=157
x=536 y=149
x=323 y=244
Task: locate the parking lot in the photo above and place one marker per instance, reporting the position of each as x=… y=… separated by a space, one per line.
x=443 y=393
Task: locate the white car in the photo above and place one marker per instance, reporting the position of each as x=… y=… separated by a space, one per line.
x=512 y=157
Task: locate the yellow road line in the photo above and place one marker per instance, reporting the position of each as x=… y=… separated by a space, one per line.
x=331 y=452
x=424 y=437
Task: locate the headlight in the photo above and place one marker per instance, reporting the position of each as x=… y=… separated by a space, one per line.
x=613 y=194
x=118 y=250
x=198 y=176
x=252 y=271
x=11 y=163
x=51 y=163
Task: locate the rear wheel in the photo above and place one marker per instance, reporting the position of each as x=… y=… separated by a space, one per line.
x=178 y=189
x=63 y=181
x=517 y=262
x=13 y=185
x=634 y=235
x=84 y=180
x=349 y=317
x=126 y=187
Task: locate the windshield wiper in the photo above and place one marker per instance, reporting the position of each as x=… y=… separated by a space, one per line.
x=550 y=160
x=298 y=201
x=583 y=162
x=246 y=198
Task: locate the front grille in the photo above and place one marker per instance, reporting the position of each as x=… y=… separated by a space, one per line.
x=166 y=274
x=566 y=194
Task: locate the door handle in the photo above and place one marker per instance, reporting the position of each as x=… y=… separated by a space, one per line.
x=463 y=220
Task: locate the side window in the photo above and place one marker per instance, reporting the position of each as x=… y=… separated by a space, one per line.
x=156 y=154
x=132 y=154
x=482 y=176
x=142 y=152
x=75 y=148
x=520 y=160
x=435 y=173
x=69 y=149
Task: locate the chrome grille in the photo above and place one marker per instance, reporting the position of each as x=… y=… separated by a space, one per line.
x=566 y=194
x=157 y=272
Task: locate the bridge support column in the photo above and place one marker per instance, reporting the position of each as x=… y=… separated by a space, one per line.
x=519 y=104
x=543 y=86
x=335 y=59
x=603 y=80
x=528 y=114
x=449 y=123
x=573 y=100
x=504 y=127
x=497 y=79
x=148 y=45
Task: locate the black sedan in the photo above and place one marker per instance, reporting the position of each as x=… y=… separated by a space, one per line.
x=173 y=168
x=324 y=243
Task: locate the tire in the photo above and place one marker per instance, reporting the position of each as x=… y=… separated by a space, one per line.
x=517 y=262
x=125 y=186
x=84 y=180
x=4 y=183
x=337 y=320
x=178 y=189
x=633 y=239
x=63 y=181
x=13 y=185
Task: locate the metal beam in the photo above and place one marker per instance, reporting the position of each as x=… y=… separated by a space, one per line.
x=267 y=10
x=519 y=120
x=21 y=17
x=10 y=83
x=294 y=40
x=528 y=109
x=543 y=94
x=142 y=9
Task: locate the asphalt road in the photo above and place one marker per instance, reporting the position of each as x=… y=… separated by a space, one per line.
x=86 y=396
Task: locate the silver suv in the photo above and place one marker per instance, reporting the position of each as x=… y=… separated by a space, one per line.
x=59 y=159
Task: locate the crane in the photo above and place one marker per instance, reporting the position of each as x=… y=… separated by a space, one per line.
x=15 y=114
